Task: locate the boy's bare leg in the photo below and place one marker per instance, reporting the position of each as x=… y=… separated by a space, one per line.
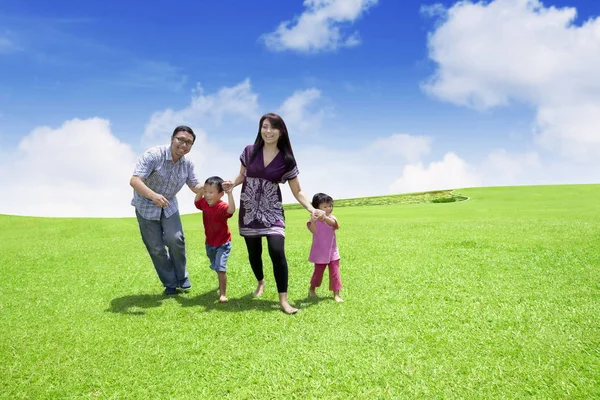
x=284 y=305
x=312 y=291
x=336 y=296
x=260 y=288
x=222 y=286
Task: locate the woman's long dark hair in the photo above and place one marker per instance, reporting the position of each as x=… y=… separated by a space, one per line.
x=283 y=144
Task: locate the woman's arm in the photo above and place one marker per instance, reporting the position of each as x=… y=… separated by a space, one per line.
x=229 y=185
x=301 y=198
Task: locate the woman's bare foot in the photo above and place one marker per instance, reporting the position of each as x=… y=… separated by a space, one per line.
x=312 y=292
x=260 y=288
x=336 y=297
x=223 y=299
x=285 y=306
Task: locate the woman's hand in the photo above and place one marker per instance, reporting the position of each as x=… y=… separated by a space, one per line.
x=318 y=214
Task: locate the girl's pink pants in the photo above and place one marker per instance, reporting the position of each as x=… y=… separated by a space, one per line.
x=335 y=281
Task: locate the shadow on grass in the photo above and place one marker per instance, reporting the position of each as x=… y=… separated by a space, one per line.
x=138 y=304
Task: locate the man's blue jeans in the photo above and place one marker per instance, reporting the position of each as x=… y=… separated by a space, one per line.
x=158 y=236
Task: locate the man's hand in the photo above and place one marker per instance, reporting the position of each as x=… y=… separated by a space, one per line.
x=160 y=200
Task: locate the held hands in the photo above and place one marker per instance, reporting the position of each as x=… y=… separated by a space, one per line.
x=227 y=186
x=317 y=215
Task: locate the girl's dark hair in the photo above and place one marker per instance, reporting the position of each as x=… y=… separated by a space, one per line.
x=321 y=198
x=283 y=144
x=183 y=128
x=215 y=180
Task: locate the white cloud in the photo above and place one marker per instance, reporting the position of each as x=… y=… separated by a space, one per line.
x=298 y=111
x=410 y=147
x=319 y=27
x=450 y=173
x=8 y=46
x=237 y=101
x=504 y=168
x=573 y=130
x=494 y=53
x=79 y=169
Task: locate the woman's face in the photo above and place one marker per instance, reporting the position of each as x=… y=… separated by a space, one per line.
x=269 y=134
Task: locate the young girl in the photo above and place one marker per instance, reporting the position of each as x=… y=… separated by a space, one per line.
x=324 y=249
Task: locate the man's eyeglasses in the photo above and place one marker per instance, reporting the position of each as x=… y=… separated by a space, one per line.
x=189 y=143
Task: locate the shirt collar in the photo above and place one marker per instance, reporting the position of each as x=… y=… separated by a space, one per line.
x=170 y=155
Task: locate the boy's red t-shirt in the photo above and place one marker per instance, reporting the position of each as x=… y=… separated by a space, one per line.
x=215 y=222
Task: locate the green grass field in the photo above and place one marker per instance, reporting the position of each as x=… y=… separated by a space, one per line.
x=494 y=297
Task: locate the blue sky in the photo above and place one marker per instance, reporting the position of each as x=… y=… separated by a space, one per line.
x=379 y=96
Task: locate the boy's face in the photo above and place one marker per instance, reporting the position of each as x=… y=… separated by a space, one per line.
x=212 y=194
x=327 y=207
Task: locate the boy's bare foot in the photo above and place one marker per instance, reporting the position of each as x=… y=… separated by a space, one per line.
x=223 y=299
x=312 y=292
x=286 y=308
x=260 y=288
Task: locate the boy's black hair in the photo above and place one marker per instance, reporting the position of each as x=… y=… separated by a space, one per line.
x=215 y=180
x=321 y=198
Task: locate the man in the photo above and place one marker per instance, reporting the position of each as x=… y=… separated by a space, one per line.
x=158 y=176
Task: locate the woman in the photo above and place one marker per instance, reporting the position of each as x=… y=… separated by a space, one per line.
x=265 y=164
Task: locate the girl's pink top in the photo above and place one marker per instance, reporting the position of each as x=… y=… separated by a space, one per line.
x=324 y=246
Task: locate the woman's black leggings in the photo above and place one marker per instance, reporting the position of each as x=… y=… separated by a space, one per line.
x=276 y=246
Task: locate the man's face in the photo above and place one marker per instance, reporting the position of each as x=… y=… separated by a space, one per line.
x=181 y=144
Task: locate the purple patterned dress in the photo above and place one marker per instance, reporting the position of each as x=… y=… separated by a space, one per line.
x=261 y=211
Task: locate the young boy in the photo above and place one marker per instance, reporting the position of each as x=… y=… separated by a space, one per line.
x=215 y=213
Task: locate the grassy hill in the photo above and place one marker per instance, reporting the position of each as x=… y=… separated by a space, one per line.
x=495 y=297
x=437 y=196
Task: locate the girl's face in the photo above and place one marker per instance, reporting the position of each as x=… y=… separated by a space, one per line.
x=269 y=134
x=327 y=207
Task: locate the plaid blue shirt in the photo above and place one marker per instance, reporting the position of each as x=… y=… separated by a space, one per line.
x=163 y=176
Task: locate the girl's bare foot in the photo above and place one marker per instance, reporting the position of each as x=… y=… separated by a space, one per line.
x=312 y=292
x=260 y=288
x=223 y=299
x=336 y=296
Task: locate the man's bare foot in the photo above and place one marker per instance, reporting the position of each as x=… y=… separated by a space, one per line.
x=223 y=299
x=259 y=289
x=312 y=292
x=338 y=298
x=286 y=308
